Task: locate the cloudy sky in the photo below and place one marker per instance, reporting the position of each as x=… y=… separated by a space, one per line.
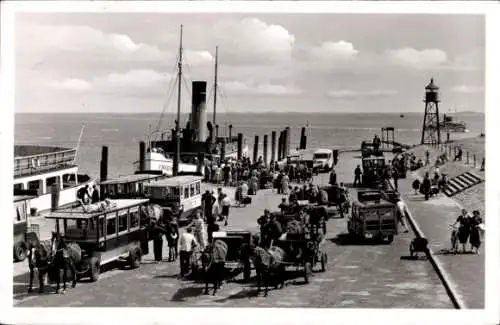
x=124 y=62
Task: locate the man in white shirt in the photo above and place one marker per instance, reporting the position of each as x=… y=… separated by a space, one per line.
x=226 y=204
x=187 y=244
x=402 y=214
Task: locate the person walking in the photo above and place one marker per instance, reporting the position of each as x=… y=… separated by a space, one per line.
x=199 y=230
x=157 y=232
x=172 y=239
x=226 y=204
x=357 y=176
x=426 y=186
x=187 y=244
x=463 y=229
x=333 y=178
x=402 y=210
x=95 y=195
x=475 y=231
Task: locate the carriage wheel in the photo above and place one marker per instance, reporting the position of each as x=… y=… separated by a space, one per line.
x=324 y=260
x=95 y=266
x=20 y=251
x=307 y=271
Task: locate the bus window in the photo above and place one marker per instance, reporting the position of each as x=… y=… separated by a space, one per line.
x=134 y=217
x=19 y=186
x=51 y=181
x=111 y=224
x=101 y=226
x=186 y=191
x=36 y=186
x=122 y=221
x=198 y=188
x=191 y=189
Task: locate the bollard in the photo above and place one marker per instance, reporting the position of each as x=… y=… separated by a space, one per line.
x=302 y=145
x=230 y=132
x=256 y=149
x=265 y=150
x=273 y=146
x=240 y=146
x=467 y=154
x=474 y=160
x=483 y=165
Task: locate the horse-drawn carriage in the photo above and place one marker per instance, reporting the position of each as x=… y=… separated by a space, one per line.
x=23 y=232
x=238 y=255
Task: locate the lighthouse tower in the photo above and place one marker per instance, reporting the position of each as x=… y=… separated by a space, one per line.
x=431 y=133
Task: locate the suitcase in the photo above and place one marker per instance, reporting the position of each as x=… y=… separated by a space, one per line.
x=247 y=200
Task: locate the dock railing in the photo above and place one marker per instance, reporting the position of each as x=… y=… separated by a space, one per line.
x=468 y=158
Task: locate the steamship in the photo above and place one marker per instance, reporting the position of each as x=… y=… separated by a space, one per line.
x=41 y=170
x=450 y=125
x=199 y=139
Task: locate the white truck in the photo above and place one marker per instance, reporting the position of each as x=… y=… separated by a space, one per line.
x=325 y=157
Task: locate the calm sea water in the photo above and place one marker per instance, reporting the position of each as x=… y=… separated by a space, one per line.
x=122 y=133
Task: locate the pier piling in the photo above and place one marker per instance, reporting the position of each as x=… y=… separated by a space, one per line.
x=104 y=163
x=256 y=149
x=230 y=131
x=142 y=156
x=240 y=145
x=55 y=190
x=265 y=149
x=273 y=146
x=280 y=146
x=303 y=139
x=287 y=141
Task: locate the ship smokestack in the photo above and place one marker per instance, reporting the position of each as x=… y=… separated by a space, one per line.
x=199 y=110
x=104 y=164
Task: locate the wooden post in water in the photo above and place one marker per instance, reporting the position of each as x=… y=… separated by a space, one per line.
x=104 y=164
x=240 y=146
x=256 y=149
x=273 y=146
x=303 y=139
x=287 y=141
x=265 y=149
x=280 y=146
x=142 y=156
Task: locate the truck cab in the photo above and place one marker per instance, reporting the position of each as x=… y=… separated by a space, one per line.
x=373 y=217
x=325 y=158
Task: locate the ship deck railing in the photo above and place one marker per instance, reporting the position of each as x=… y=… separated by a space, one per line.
x=32 y=160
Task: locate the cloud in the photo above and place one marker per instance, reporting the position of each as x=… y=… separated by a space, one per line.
x=467 y=89
x=71 y=84
x=132 y=82
x=328 y=51
x=418 y=58
x=253 y=40
x=347 y=93
x=243 y=88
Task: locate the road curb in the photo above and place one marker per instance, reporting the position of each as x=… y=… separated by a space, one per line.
x=448 y=284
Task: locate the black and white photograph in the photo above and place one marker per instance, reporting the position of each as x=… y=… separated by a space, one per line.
x=210 y=156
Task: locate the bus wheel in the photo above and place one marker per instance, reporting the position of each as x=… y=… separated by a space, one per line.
x=20 y=251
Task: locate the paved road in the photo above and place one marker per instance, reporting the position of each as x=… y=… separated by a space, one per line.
x=357 y=276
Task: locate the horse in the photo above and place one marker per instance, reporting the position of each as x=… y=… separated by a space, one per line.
x=40 y=256
x=267 y=263
x=66 y=256
x=213 y=259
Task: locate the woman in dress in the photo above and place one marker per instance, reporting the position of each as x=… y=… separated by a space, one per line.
x=475 y=231
x=463 y=229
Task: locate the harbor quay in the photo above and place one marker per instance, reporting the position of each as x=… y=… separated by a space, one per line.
x=357 y=275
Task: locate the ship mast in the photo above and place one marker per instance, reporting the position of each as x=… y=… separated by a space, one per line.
x=177 y=157
x=215 y=84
